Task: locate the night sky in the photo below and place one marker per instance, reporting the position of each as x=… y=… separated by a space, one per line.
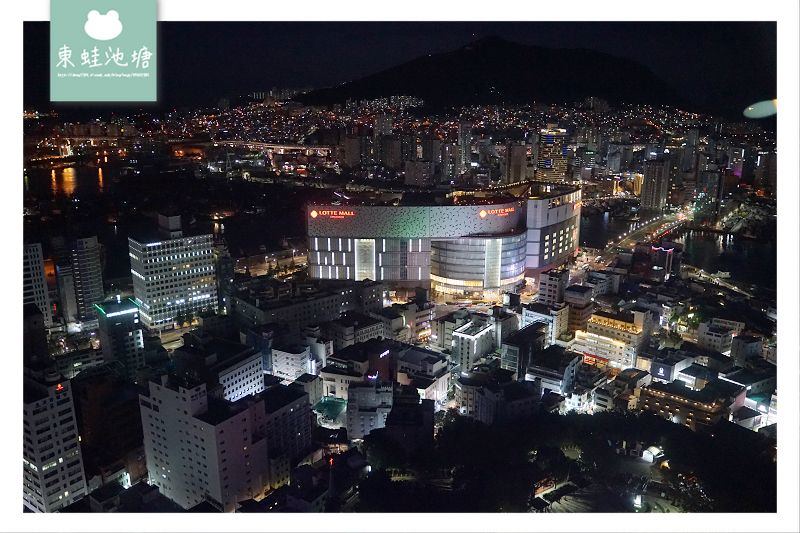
x=721 y=67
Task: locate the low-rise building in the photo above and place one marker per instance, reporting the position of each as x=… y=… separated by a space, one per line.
x=555 y=368
x=556 y=316
x=472 y=341
x=237 y=368
x=353 y=327
x=519 y=349
x=368 y=406
x=443 y=327
x=714 y=337
x=695 y=409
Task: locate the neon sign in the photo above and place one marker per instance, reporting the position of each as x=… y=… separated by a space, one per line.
x=499 y=212
x=332 y=213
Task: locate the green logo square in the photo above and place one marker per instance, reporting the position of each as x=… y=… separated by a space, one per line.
x=103 y=51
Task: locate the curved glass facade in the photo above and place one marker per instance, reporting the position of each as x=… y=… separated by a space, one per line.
x=472 y=266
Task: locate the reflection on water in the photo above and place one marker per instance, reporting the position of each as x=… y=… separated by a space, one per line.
x=597 y=230
x=64 y=181
x=748 y=260
x=99 y=178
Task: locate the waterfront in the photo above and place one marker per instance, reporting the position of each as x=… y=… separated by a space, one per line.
x=749 y=261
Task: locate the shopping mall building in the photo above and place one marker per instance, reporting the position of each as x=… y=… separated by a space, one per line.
x=475 y=244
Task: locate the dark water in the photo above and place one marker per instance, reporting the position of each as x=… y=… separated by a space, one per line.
x=749 y=261
x=100 y=201
x=597 y=230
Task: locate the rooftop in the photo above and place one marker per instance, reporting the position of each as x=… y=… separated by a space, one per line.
x=554 y=357
x=279 y=396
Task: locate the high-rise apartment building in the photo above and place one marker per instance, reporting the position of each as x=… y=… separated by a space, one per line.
x=655 y=185
x=552 y=153
x=464 y=146
x=87 y=274
x=53 y=474
x=173 y=274
x=34 y=282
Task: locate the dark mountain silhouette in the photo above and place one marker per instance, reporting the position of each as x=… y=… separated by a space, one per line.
x=494 y=71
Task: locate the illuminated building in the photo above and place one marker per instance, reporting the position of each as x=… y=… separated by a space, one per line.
x=353 y=327
x=472 y=341
x=581 y=306
x=655 y=184
x=552 y=153
x=694 y=409
x=202 y=448
x=51 y=454
x=613 y=339
x=714 y=337
x=236 y=368
x=419 y=173
x=489 y=394
x=475 y=244
x=173 y=275
x=443 y=327
x=34 y=282
x=556 y=317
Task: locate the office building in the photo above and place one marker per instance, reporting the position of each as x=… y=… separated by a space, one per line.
x=173 y=274
x=121 y=334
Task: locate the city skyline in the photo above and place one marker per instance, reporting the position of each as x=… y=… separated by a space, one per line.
x=477 y=274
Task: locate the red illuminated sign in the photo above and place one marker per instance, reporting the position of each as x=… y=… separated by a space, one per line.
x=59 y=387
x=499 y=212
x=332 y=213
x=592 y=359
